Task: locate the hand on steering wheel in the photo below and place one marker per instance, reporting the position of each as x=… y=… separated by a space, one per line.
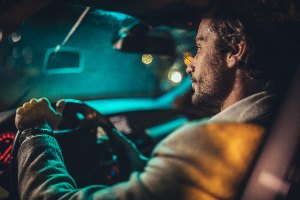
x=39 y=113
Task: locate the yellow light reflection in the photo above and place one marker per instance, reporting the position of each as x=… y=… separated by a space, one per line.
x=225 y=154
x=147 y=59
x=187 y=58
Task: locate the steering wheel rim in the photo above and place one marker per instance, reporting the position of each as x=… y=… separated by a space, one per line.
x=116 y=139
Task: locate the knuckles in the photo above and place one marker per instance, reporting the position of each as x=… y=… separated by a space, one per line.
x=34 y=112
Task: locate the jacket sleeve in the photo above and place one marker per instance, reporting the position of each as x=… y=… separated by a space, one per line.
x=43 y=175
x=195 y=162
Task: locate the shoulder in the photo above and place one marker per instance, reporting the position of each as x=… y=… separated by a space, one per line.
x=204 y=154
x=209 y=136
x=216 y=130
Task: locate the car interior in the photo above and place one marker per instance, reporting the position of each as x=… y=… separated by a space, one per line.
x=120 y=65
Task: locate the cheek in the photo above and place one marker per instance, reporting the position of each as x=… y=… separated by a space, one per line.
x=201 y=71
x=197 y=63
x=205 y=78
x=196 y=60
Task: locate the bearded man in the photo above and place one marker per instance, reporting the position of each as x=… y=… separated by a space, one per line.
x=236 y=69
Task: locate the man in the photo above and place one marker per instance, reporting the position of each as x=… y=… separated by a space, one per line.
x=222 y=74
x=197 y=161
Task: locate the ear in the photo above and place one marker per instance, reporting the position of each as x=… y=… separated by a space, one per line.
x=233 y=57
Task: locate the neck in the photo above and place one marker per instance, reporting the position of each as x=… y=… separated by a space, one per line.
x=243 y=87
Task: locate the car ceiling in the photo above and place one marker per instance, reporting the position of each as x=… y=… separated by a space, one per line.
x=177 y=13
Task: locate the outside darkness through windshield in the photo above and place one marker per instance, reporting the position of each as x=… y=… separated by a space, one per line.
x=34 y=63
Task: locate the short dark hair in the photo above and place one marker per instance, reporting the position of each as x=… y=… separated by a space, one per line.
x=272 y=51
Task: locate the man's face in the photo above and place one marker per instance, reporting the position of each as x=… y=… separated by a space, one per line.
x=211 y=79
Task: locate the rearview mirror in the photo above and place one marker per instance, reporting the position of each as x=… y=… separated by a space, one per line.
x=139 y=38
x=146 y=44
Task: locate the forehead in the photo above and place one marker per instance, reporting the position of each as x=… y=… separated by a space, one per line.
x=205 y=31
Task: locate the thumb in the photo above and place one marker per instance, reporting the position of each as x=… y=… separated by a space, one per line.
x=57 y=114
x=60 y=105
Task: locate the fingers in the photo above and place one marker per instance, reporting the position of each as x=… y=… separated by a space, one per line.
x=30 y=114
x=26 y=105
x=43 y=99
x=38 y=111
x=19 y=110
x=33 y=101
x=57 y=117
x=44 y=102
x=52 y=116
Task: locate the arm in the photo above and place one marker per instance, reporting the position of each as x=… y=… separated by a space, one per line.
x=198 y=161
x=42 y=173
x=41 y=169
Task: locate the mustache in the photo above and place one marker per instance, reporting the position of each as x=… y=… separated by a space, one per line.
x=193 y=79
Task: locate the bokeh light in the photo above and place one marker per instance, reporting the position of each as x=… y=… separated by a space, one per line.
x=16 y=37
x=187 y=58
x=175 y=76
x=147 y=59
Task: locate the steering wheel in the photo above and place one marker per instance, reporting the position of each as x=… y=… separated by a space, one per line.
x=113 y=155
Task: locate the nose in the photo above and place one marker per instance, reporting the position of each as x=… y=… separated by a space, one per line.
x=190 y=68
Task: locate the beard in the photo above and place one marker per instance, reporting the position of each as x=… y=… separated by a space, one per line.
x=215 y=85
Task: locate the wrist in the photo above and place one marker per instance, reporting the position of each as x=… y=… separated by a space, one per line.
x=43 y=126
x=41 y=130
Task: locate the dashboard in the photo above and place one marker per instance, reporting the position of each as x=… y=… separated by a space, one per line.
x=7 y=136
x=6 y=140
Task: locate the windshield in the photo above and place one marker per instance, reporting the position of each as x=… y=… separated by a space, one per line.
x=67 y=51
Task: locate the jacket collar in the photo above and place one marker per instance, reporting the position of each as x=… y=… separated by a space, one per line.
x=257 y=107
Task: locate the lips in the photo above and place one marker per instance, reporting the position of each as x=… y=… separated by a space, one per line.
x=193 y=80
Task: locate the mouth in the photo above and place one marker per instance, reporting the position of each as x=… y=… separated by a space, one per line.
x=193 y=80
x=193 y=83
